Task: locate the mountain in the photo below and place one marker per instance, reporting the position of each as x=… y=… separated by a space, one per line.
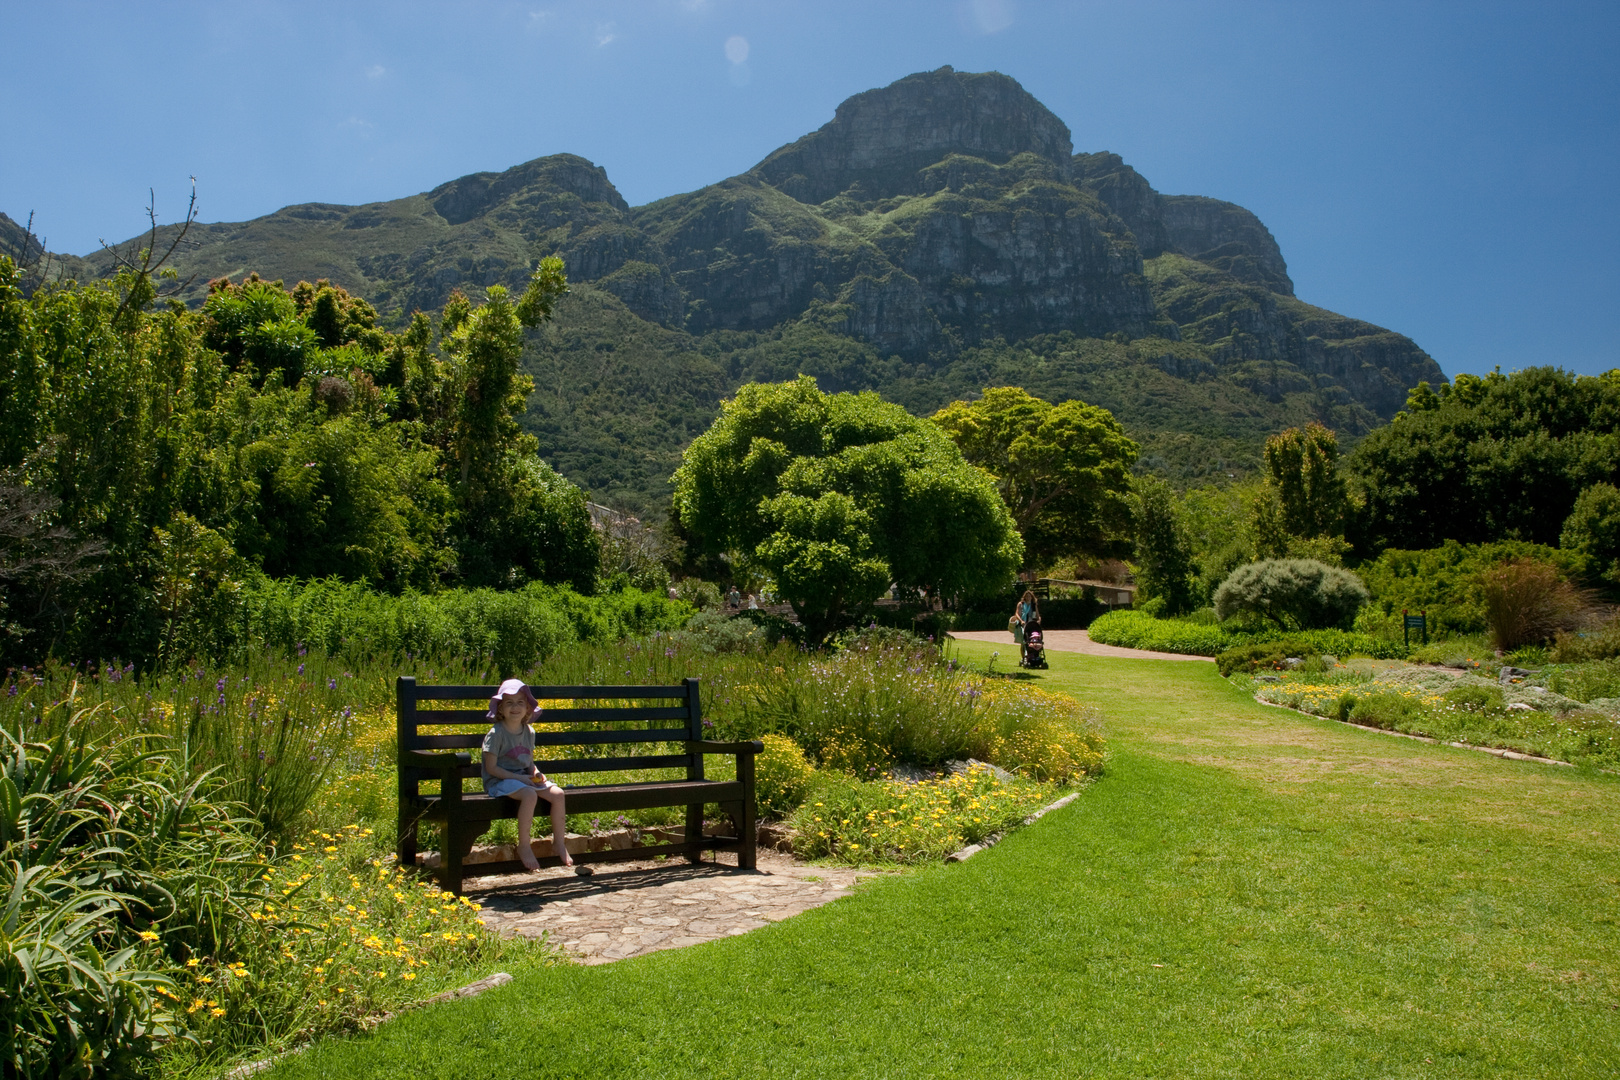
x=936 y=236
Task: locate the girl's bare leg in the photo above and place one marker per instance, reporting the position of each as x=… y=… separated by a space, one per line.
x=559 y=825
x=525 y=821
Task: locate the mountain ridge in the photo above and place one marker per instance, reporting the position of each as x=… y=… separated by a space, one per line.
x=936 y=233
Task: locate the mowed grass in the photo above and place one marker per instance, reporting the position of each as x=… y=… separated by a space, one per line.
x=1248 y=892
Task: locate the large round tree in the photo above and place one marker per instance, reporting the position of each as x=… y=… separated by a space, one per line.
x=835 y=496
x=1064 y=470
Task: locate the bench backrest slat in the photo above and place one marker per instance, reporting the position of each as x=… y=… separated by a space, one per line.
x=647 y=761
x=439 y=717
x=434 y=692
x=469 y=740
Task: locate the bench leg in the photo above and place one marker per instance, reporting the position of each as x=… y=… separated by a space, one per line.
x=694 y=834
x=458 y=843
x=742 y=819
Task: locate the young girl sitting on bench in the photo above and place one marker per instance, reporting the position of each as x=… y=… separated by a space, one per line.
x=508 y=768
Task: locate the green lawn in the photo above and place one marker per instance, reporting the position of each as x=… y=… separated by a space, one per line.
x=1248 y=892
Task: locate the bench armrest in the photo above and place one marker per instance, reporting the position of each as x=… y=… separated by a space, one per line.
x=440 y=762
x=709 y=746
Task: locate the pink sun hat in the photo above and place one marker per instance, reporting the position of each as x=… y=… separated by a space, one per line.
x=513 y=688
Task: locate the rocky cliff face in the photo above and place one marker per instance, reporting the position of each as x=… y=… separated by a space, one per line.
x=879 y=144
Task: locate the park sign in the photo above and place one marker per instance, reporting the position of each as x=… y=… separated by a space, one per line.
x=1410 y=622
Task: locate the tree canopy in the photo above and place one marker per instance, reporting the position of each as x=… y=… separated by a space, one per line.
x=272 y=431
x=1063 y=470
x=1484 y=459
x=834 y=496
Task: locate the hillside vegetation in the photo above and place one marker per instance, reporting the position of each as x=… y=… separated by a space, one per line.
x=938 y=236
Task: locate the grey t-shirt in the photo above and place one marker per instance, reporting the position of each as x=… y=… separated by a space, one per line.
x=513 y=752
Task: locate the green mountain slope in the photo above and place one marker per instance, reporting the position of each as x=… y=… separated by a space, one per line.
x=938 y=235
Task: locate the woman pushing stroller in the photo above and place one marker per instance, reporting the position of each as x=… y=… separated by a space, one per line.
x=1026 y=618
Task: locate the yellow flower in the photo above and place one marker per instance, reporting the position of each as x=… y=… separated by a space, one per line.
x=205 y=978
x=147 y=935
x=408 y=975
x=195 y=1005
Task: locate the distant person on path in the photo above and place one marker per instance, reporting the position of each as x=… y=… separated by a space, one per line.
x=1027 y=611
x=734 y=598
x=508 y=768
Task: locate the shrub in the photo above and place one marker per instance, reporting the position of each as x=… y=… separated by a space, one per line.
x=715 y=630
x=1586 y=682
x=1292 y=594
x=1593 y=530
x=891 y=821
x=1475 y=698
x=1265 y=655
x=1528 y=603
x=1601 y=643
x=697 y=592
x=112 y=858
x=1444 y=582
x=1038 y=734
x=1392 y=712
x=782 y=776
x=1134 y=630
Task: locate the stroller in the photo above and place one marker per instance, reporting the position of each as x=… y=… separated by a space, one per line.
x=1034 y=646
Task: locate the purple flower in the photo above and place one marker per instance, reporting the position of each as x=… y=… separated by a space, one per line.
x=300 y=669
x=331 y=684
x=11 y=691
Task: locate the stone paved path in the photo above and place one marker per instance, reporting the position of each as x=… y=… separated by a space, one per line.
x=628 y=909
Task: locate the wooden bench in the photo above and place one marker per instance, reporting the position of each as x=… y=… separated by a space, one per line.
x=661 y=714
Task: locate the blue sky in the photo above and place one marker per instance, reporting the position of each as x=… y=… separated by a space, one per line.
x=1448 y=170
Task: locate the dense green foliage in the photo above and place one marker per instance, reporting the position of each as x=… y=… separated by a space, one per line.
x=110 y=857
x=511 y=631
x=1444 y=582
x=154 y=460
x=835 y=496
x=1292 y=594
x=1061 y=469
x=1503 y=457
x=1592 y=531
x=1139 y=630
x=1164 y=566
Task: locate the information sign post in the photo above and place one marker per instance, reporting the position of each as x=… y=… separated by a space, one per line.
x=1418 y=622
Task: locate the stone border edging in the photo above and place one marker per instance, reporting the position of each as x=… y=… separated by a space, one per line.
x=500 y=978
x=1491 y=750
x=994 y=838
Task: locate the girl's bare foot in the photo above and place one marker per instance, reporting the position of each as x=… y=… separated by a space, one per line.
x=526 y=857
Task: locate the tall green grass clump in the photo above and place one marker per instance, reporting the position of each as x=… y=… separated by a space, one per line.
x=513 y=629
x=114 y=859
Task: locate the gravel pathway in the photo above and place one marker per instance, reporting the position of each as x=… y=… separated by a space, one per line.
x=1071 y=641
x=628 y=909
